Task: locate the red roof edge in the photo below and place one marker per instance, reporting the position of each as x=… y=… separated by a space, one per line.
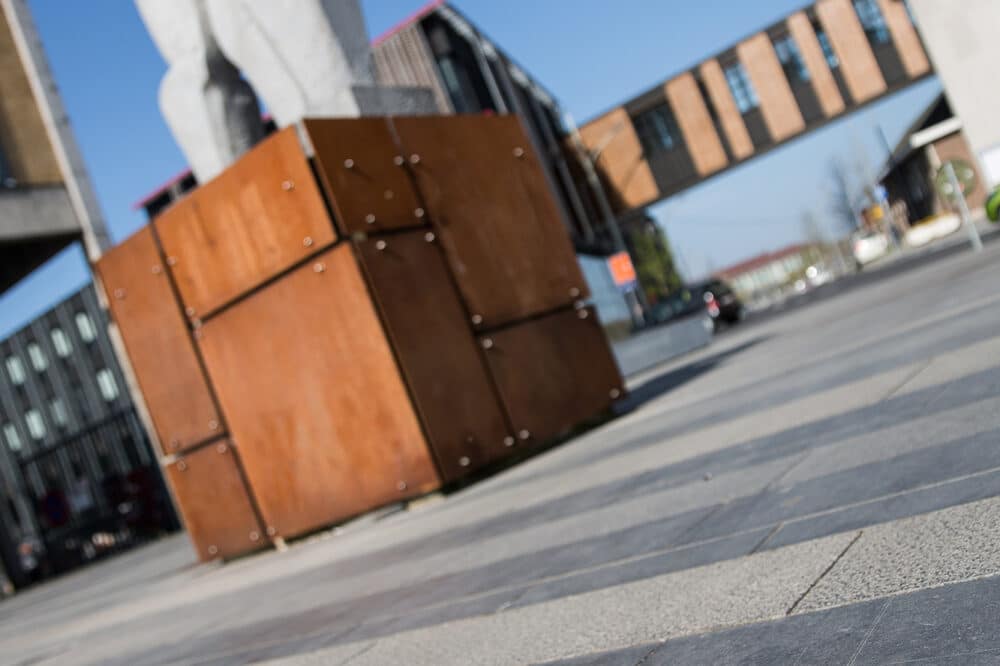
x=412 y=18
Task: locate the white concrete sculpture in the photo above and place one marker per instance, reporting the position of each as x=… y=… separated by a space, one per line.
x=303 y=57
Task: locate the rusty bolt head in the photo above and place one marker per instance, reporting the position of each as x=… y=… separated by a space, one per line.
x=288 y=185
x=348 y=163
x=157 y=269
x=380 y=245
x=418 y=213
x=254 y=536
x=582 y=314
x=213 y=550
x=272 y=530
x=213 y=425
x=574 y=292
x=487 y=343
x=221 y=448
x=477 y=319
x=398 y=160
x=401 y=486
x=523 y=434
x=370 y=218
x=508 y=441
x=119 y=294
x=319 y=267
x=519 y=152
x=414 y=159
x=464 y=461
x=429 y=237
x=307 y=241
x=171 y=261
x=189 y=311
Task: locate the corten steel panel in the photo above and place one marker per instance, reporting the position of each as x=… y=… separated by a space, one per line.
x=498 y=223
x=725 y=106
x=258 y=218
x=777 y=103
x=621 y=161
x=696 y=124
x=213 y=500
x=857 y=61
x=823 y=83
x=905 y=37
x=439 y=355
x=158 y=343
x=314 y=397
x=356 y=160
x=554 y=373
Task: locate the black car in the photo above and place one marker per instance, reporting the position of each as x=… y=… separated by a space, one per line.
x=713 y=296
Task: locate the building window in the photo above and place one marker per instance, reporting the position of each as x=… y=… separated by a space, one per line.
x=85 y=325
x=61 y=342
x=106 y=382
x=37 y=356
x=58 y=411
x=832 y=61
x=742 y=88
x=15 y=370
x=36 y=426
x=657 y=130
x=791 y=59
x=13 y=439
x=872 y=21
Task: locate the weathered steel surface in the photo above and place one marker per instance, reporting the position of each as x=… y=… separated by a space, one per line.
x=158 y=343
x=361 y=168
x=314 y=398
x=554 y=373
x=490 y=203
x=213 y=500
x=257 y=219
x=437 y=351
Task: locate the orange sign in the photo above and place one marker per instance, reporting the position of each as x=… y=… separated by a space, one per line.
x=622 y=270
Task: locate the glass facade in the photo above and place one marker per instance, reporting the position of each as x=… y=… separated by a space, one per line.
x=872 y=21
x=832 y=61
x=657 y=130
x=742 y=88
x=791 y=59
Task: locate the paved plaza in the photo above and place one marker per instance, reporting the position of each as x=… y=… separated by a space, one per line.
x=821 y=486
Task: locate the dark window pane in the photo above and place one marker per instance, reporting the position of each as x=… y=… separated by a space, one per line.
x=872 y=21
x=791 y=60
x=742 y=88
x=657 y=129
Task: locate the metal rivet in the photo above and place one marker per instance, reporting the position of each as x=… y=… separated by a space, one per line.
x=307 y=241
x=196 y=323
x=271 y=530
x=508 y=441
x=119 y=294
x=464 y=461
x=370 y=218
x=429 y=237
x=574 y=292
x=198 y=334
x=157 y=269
x=380 y=245
x=414 y=159
x=213 y=550
x=477 y=319
x=221 y=448
x=523 y=434
x=349 y=163
x=398 y=160
x=614 y=393
x=389 y=194
x=189 y=311
x=582 y=314
x=213 y=425
x=287 y=185
x=171 y=261
x=401 y=486
x=519 y=152
x=254 y=536
x=182 y=466
x=418 y=213
x=487 y=343
x=319 y=267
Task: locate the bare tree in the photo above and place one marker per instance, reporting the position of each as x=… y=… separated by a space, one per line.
x=845 y=197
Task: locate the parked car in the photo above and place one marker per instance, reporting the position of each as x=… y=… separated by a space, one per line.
x=869 y=246
x=713 y=296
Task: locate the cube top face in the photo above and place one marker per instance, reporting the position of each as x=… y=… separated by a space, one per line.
x=317 y=407
x=213 y=499
x=159 y=345
x=488 y=198
x=365 y=175
x=258 y=218
x=437 y=351
x=554 y=372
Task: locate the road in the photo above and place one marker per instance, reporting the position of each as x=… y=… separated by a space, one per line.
x=819 y=487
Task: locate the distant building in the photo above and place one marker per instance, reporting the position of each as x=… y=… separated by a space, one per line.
x=78 y=477
x=936 y=137
x=769 y=276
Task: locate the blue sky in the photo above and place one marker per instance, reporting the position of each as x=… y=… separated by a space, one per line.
x=591 y=54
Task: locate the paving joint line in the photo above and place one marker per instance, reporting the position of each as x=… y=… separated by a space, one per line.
x=868 y=635
x=825 y=572
x=909 y=378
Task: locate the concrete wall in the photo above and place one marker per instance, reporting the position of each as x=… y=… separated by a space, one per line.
x=965 y=49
